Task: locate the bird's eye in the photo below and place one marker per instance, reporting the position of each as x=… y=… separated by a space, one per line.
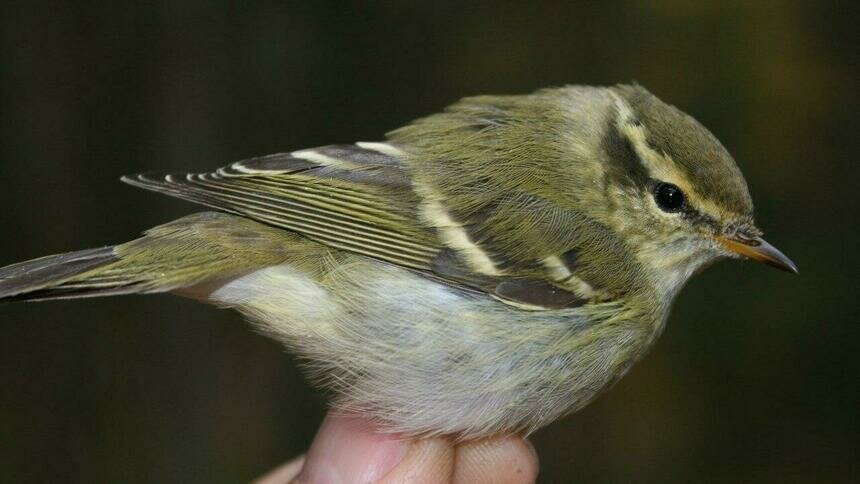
x=668 y=197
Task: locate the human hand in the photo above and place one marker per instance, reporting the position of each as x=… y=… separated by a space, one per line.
x=348 y=450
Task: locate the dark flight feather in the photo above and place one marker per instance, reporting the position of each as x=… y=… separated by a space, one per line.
x=47 y=277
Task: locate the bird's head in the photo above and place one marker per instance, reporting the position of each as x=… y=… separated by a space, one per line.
x=673 y=192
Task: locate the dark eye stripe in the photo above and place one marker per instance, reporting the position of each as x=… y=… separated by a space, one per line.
x=697 y=218
x=623 y=164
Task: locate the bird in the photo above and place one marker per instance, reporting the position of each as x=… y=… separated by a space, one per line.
x=488 y=268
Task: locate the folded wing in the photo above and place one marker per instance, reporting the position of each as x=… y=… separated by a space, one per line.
x=358 y=198
x=352 y=197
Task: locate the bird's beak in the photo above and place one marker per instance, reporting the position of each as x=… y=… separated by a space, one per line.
x=759 y=250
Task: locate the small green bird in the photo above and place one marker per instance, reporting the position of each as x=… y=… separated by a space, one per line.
x=489 y=268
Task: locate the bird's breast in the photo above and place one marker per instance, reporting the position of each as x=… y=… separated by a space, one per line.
x=425 y=357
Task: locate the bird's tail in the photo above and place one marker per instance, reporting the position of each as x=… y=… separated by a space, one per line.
x=60 y=276
x=177 y=256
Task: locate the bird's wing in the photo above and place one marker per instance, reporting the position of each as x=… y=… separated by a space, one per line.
x=350 y=197
x=359 y=198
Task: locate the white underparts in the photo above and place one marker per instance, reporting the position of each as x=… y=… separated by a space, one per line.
x=280 y=296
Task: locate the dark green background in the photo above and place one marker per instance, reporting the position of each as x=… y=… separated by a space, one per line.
x=755 y=379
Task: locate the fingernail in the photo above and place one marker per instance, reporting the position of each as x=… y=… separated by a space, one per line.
x=349 y=449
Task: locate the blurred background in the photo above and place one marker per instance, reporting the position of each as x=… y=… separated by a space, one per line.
x=755 y=379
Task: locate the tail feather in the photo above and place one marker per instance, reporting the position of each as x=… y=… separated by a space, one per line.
x=172 y=257
x=53 y=277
